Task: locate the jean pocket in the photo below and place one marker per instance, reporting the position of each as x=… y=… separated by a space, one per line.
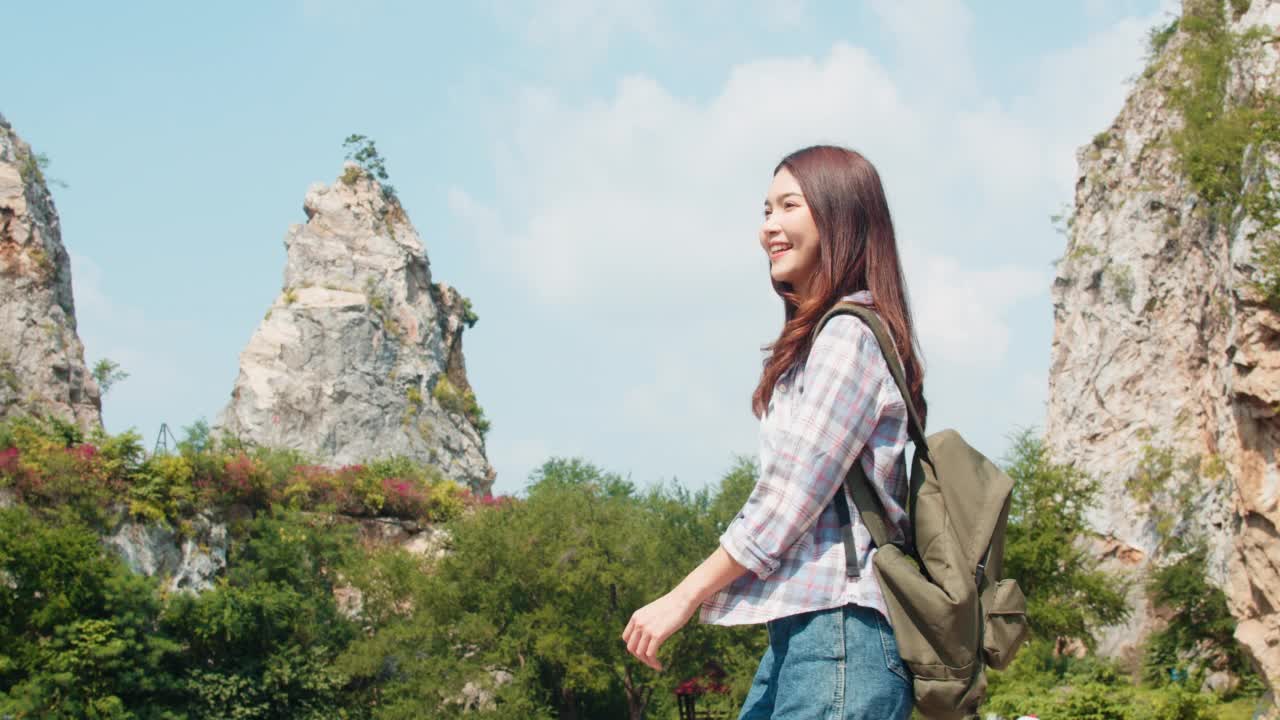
x=892 y=660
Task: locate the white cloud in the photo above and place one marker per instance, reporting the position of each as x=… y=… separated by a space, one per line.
x=960 y=314
x=651 y=192
x=644 y=205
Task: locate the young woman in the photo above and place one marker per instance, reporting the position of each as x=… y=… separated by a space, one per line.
x=781 y=562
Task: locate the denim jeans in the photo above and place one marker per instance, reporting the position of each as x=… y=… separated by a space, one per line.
x=837 y=664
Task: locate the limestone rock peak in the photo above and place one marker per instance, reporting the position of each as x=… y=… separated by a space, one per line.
x=360 y=356
x=42 y=367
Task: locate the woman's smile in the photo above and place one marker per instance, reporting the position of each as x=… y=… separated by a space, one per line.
x=789 y=233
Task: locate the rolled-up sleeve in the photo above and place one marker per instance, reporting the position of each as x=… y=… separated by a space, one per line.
x=829 y=424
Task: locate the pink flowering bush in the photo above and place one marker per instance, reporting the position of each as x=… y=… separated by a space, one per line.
x=471 y=501
x=51 y=463
x=404 y=498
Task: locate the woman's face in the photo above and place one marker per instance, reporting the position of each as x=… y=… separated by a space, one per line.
x=789 y=236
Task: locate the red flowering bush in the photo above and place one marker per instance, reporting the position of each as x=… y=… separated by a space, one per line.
x=52 y=464
x=244 y=480
x=47 y=462
x=404 y=498
x=11 y=470
x=472 y=501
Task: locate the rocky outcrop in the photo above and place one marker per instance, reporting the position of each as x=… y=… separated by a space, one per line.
x=1165 y=371
x=192 y=559
x=184 y=563
x=42 y=368
x=360 y=356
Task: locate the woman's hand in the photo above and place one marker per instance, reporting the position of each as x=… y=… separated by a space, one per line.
x=652 y=624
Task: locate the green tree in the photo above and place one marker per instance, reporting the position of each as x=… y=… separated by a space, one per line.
x=108 y=373
x=364 y=152
x=542 y=588
x=1067 y=594
x=77 y=629
x=1200 y=631
x=261 y=643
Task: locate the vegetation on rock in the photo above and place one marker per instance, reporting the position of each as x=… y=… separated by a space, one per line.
x=107 y=373
x=364 y=153
x=1227 y=146
x=464 y=402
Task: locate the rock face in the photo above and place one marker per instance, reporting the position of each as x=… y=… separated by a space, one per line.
x=188 y=564
x=1165 y=372
x=191 y=562
x=360 y=356
x=42 y=368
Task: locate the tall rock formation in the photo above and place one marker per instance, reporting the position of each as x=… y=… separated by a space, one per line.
x=42 y=367
x=1165 y=373
x=360 y=356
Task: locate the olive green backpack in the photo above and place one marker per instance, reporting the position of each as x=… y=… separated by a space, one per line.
x=952 y=613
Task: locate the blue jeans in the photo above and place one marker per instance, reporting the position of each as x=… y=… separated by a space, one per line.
x=837 y=664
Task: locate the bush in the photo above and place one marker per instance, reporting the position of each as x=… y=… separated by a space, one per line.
x=464 y=403
x=48 y=465
x=77 y=629
x=1067 y=595
x=1056 y=686
x=1200 y=635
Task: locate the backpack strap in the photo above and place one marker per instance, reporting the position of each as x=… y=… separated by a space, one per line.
x=871 y=510
x=914 y=427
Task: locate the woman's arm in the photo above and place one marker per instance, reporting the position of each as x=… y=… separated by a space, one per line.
x=652 y=624
x=831 y=422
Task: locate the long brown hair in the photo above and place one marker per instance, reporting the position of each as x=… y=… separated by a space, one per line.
x=856 y=251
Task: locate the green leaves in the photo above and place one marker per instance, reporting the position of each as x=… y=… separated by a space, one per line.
x=543 y=587
x=364 y=152
x=1067 y=596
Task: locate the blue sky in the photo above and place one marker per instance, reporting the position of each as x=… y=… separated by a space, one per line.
x=590 y=174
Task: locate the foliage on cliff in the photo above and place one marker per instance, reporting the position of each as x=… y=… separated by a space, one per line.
x=1227 y=146
x=50 y=463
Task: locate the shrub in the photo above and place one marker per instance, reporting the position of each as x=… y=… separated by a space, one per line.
x=1201 y=632
x=1159 y=36
x=468 y=314
x=162 y=489
x=1212 y=141
x=365 y=153
x=107 y=373
x=464 y=403
x=76 y=627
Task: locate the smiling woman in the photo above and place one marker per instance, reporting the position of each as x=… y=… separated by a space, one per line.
x=824 y=402
x=789 y=234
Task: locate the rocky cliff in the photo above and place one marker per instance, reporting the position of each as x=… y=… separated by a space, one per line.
x=42 y=368
x=360 y=356
x=1165 y=370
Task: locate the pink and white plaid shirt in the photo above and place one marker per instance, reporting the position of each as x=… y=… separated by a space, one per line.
x=839 y=404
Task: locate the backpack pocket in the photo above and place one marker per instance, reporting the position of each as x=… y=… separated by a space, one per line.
x=1005 y=623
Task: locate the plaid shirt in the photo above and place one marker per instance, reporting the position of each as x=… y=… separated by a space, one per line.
x=838 y=404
